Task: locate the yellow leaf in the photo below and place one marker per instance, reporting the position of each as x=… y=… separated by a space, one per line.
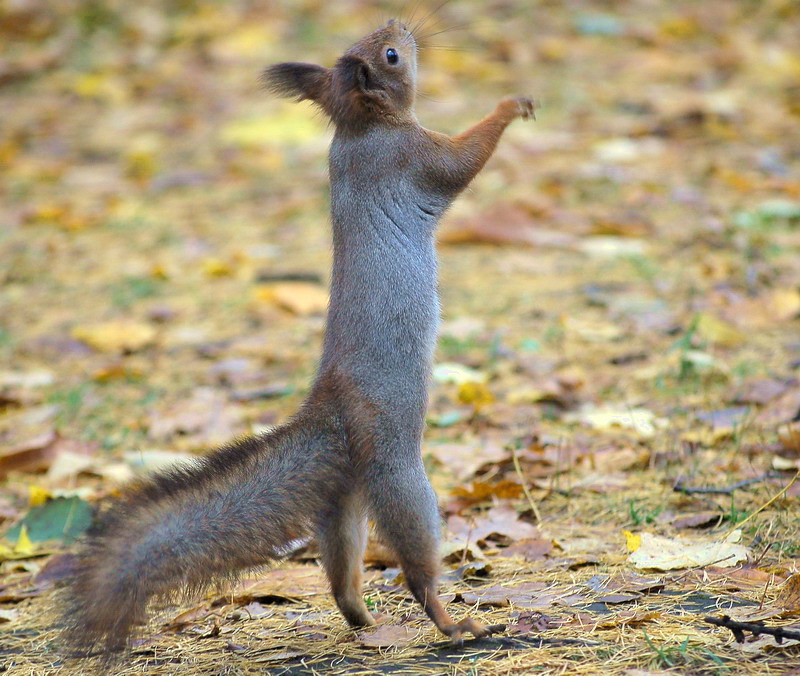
x=785 y=303
x=632 y=540
x=37 y=495
x=476 y=394
x=116 y=335
x=720 y=333
x=24 y=546
x=300 y=298
x=215 y=267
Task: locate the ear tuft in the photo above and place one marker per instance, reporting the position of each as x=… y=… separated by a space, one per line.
x=297 y=80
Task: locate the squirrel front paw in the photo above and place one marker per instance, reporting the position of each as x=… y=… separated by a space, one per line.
x=520 y=106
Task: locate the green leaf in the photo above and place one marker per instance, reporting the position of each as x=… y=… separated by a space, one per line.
x=59 y=519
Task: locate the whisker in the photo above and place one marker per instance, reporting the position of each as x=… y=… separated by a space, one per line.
x=425 y=19
x=458 y=27
x=449 y=48
x=414 y=8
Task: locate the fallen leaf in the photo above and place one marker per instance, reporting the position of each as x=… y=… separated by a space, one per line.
x=628 y=618
x=463 y=460
x=61 y=519
x=789 y=594
x=300 y=298
x=388 y=636
x=205 y=415
x=30 y=455
x=530 y=549
x=498 y=523
x=641 y=420
x=661 y=553
x=625 y=582
x=8 y=615
x=789 y=436
x=717 y=331
x=282 y=583
x=458 y=374
x=782 y=410
x=697 y=519
x=476 y=394
x=116 y=336
x=760 y=391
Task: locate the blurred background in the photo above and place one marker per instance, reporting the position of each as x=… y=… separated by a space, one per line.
x=165 y=247
x=620 y=289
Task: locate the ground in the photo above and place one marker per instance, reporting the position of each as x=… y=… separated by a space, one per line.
x=621 y=315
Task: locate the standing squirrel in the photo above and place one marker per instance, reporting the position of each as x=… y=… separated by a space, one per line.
x=353 y=448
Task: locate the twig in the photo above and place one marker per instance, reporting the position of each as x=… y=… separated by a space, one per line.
x=728 y=490
x=525 y=485
x=755 y=628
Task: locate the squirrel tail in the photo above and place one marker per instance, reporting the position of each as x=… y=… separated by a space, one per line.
x=186 y=529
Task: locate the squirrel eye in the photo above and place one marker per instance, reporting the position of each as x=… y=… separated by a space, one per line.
x=392 y=56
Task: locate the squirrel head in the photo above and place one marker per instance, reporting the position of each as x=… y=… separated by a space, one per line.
x=373 y=82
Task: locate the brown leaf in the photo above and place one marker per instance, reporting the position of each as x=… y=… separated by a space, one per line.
x=29 y=455
x=697 y=519
x=523 y=594
x=388 y=636
x=760 y=391
x=789 y=594
x=504 y=224
x=479 y=491
x=789 y=436
x=627 y=581
x=205 y=415
x=499 y=523
x=781 y=410
x=529 y=549
x=186 y=618
x=289 y=583
x=464 y=459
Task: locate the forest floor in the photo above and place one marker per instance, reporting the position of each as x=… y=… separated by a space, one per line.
x=613 y=429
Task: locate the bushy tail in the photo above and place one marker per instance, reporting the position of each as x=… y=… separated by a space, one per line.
x=186 y=529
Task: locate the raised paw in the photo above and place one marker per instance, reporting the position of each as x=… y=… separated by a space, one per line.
x=478 y=629
x=527 y=107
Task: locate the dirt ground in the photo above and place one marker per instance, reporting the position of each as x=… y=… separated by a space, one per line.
x=619 y=351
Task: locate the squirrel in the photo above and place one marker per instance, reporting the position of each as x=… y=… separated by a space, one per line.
x=353 y=448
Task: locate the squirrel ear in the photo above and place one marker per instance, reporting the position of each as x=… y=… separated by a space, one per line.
x=359 y=73
x=298 y=80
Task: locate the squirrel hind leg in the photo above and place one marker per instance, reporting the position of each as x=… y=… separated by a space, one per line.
x=407 y=516
x=342 y=538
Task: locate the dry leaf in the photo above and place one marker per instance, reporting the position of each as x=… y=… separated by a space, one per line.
x=204 y=415
x=641 y=420
x=530 y=549
x=789 y=594
x=719 y=332
x=300 y=298
x=458 y=374
x=660 y=553
x=388 y=636
x=116 y=336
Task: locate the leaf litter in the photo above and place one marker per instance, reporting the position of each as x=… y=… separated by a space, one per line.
x=620 y=296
